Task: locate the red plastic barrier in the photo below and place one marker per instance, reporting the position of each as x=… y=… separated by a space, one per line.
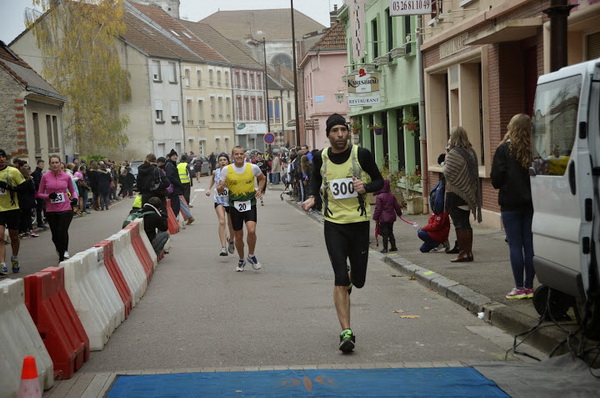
x=57 y=321
x=140 y=248
x=160 y=256
x=116 y=275
x=173 y=224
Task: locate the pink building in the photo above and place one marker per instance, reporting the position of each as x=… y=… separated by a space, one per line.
x=323 y=69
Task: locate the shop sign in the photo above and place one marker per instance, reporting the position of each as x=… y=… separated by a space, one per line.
x=363 y=82
x=369 y=99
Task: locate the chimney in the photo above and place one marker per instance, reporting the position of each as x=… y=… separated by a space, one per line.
x=333 y=15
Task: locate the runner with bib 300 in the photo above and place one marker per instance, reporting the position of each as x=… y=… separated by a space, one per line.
x=343 y=175
x=239 y=178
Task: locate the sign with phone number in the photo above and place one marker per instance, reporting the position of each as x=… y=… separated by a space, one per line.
x=409 y=7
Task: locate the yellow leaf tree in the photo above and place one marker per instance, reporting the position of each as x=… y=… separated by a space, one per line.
x=80 y=59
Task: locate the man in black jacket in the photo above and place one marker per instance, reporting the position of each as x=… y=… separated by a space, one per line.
x=40 y=204
x=155 y=219
x=173 y=176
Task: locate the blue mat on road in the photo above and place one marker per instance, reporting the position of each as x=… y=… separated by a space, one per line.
x=414 y=382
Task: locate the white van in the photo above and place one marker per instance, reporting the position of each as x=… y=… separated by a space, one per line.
x=564 y=187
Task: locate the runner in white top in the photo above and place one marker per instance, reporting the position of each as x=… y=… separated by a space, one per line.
x=222 y=207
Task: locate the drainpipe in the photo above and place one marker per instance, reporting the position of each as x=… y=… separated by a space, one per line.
x=559 y=13
x=422 y=119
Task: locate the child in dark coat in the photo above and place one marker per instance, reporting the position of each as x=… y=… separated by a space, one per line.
x=435 y=232
x=386 y=210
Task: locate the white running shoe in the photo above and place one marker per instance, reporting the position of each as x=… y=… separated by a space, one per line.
x=254 y=261
x=223 y=252
x=67 y=255
x=241 y=265
x=230 y=246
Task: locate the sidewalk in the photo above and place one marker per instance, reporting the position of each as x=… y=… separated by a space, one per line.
x=479 y=286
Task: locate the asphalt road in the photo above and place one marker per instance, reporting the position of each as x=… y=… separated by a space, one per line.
x=199 y=312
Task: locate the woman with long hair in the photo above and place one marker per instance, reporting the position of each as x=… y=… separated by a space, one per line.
x=57 y=189
x=104 y=179
x=222 y=207
x=463 y=193
x=510 y=174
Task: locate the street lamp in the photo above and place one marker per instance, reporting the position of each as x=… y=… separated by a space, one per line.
x=295 y=73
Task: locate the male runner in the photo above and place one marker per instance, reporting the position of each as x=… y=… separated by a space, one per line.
x=11 y=180
x=239 y=179
x=342 y=175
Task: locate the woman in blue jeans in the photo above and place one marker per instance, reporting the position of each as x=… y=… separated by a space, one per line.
x=511 y=176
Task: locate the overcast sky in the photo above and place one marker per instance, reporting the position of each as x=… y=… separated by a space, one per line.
x=12 y=11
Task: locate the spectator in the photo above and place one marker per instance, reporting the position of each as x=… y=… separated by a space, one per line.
x=39 y=203
x=276 y=169
x=264 y=167
x=155 y=219
x=82 y=187
x=104 y=189
x=26 y=197
x=93 y=178
x=463 y=193
x=435 y=233
x=173 y=176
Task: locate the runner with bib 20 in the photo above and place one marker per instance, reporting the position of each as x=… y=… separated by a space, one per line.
x=344 y=174
x=239 y=178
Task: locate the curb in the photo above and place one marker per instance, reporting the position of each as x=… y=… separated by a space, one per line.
x=495 y=313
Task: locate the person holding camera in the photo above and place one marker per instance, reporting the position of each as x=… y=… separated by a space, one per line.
x=57 y=189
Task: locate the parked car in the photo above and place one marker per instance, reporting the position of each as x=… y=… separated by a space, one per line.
x=204 y=169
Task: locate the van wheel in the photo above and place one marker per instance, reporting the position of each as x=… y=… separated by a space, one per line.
x=552 y=304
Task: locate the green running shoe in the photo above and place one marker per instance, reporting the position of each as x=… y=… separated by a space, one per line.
x=347 y=341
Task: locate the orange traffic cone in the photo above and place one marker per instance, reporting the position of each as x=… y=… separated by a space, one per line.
x=30 y=385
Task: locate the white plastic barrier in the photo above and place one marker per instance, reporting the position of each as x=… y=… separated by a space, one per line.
x=130 y=265
x=93 y=295
x=147 y=242
x=20 y=338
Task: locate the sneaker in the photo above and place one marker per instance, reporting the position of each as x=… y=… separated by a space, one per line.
x=3 y=270
x=34 y=234
x=516 y=293
x=15 y=264
x=254 y=261
x=347 y=341
x=67 y=255
x=230 y=246
x=223 y=252
x=190 y=220
x=529 y=293
x=241 y=265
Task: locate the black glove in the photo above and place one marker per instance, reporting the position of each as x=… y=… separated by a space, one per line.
x=4 y=185
x=52 y=196
x=74 y=202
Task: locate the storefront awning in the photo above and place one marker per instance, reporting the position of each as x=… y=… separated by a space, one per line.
x=515 y=30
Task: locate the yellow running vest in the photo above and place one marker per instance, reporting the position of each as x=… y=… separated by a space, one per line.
x=183 y=174
x=341 y=204
x=241 y=186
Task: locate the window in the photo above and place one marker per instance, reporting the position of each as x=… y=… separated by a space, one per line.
x=50 y=136
x=228 y=107
x=201 y=120
x=238 y=107
x=158 y=111
x=36 y=133
x=253 y=108
x=174 y=111
x=199 y=77
x=252 y=81
x=236 y=83
x=375 y=35
x=212 y=108
x=555 y=123
x=260 y=81
x=226 y=79
x=220 y=108
x=261 y=108
x=55 y=132
x=210 y=77
x=187 y=78
x=172 y=72
x=156 y=71
x=188 y=111
x=247 y=108
x=219 y=82
x=244 y=80
x=390 y=29
x=407 y=34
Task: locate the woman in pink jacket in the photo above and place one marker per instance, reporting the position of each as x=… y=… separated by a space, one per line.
x=57 y=189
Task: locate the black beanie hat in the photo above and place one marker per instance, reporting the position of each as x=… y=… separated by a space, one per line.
x=335 y=120
x=173 y=152
x=224 y=155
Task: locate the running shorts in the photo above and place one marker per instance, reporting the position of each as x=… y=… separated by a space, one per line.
x=348 y=241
